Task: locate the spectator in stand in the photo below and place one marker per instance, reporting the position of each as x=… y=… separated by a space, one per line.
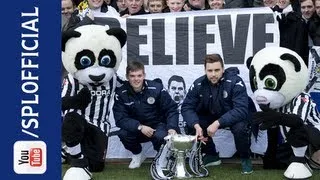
x=108 y=2
x=67 y=8
x=295 y=4
x=192 y=5
x=279 y=6
x=269 y=3
x=237 y=3
x=87 y=10
x=174 y=6
x=283 y=4
x=145 y=5
x=97 y=8
x=77 y=2
x=307 y=9
x=119 y=5
x=134 y=7
x=216 y=4
x=293 y=29
x=314 y=25
x=156 y=6
x=317 y=7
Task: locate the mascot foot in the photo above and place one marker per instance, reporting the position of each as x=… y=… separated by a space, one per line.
x=78 y=170
x=76 y=173
x=298 y=171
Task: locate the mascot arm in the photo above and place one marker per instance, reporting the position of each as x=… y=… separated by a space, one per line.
x=269 y=118
x=79 y=101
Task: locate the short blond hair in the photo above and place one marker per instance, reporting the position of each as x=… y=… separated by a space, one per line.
x=162 y=1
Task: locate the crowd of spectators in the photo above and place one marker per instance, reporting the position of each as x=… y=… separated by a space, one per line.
x=299 y=20
x=299 y=27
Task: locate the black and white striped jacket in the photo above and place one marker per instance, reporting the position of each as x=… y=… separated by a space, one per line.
x=98 y=110
x=303 y=106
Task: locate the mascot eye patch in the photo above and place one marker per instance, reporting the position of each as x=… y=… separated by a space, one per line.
x=275 y=76
x=293 y=59
x=84 y=59
x=107 y=58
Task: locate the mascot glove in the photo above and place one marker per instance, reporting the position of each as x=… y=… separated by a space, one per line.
x=269 y=118
x=83 y=98
x=79 y=101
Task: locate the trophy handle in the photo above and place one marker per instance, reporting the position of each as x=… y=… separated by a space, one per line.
x=196 y=163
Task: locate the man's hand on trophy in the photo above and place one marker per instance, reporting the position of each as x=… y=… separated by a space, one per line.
x=147 y=131
x=212 y=129
x=199 y=132
x=172 y=132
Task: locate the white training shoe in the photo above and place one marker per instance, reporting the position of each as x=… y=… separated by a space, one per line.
x=137 y=160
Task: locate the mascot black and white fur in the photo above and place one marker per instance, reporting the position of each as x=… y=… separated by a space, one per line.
x=91 y=54
x=278 y=77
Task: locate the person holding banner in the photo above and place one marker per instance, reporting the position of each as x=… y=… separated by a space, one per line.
x=314 y=25
x=156 y=6
x=174 y=6
x=119 y=5
x=293 y=29
x=307 y=9
x=218 y=100
x=144 y=111
x=216 y=4
x=192 y=5
x=87 y=10
x=134 y=7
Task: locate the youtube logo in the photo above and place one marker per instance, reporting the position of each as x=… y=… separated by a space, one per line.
x=30 y=157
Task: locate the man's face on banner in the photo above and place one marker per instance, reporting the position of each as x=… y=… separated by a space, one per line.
x=177 y=91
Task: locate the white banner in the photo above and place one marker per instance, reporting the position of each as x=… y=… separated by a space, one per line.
x=175 y=44
x=314 y=74
x=314 y=69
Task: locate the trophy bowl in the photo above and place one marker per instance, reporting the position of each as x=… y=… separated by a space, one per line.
x=182 y=142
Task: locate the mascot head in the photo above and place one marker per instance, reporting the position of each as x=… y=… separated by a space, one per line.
x=92 y=53
x=277 y=75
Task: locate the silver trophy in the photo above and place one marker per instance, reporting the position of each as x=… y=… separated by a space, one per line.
x=181 y=145
x=170 y=161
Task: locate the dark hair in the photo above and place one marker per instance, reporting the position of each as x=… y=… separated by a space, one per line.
x=313 y=1
x=178 y=79
x=212 y=58
x=134 y=66
x=74 y=3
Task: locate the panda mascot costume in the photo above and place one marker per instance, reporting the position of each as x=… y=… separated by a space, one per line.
x=91 y=54
x=278 y=77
